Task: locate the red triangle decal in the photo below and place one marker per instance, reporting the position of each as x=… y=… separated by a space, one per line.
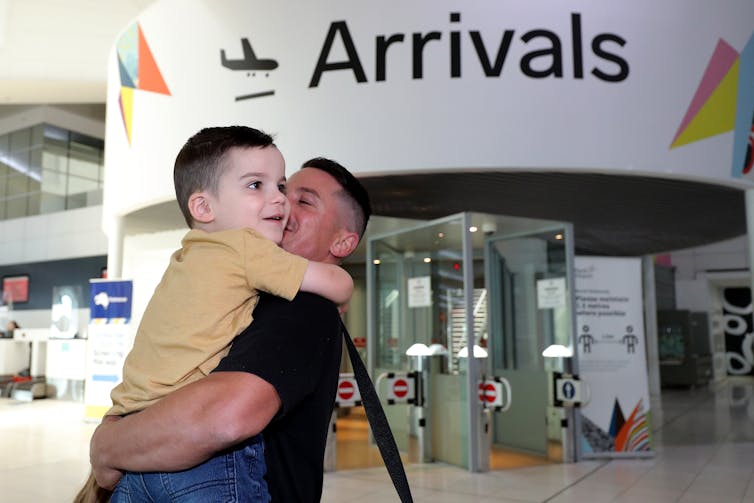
x=150 y=78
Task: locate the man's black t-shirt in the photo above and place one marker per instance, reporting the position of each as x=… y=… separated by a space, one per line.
x=295 y=346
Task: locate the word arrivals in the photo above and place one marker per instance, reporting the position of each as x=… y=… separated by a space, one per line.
x=617 y=69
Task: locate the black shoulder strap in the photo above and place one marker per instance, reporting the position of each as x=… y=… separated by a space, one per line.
x=378 y=423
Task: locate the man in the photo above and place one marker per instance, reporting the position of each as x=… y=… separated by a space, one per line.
x=280 y=375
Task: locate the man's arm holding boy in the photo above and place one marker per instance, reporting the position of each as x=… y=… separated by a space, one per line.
x=186 y=427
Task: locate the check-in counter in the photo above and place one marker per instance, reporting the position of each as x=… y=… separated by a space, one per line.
x=36 y=340
x=66 y=367
x=14 y=356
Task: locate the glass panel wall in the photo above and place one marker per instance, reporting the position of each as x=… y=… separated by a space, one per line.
x=44 y=169
x=469 y=286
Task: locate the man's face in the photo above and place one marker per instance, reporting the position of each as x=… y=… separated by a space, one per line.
x=313 y=224
x=250 y=193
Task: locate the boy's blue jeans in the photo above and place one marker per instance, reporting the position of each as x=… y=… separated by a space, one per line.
x=235 y=475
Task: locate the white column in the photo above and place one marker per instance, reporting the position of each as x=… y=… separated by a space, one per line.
x=115 y=247
x=650 y=326
x=750 y=233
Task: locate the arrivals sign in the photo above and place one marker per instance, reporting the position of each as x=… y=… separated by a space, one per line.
x=586 y=78
x=612 y=357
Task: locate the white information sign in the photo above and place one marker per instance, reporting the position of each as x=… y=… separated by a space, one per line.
x=610 y=343
x=107 y=347
x=419 y=292
x=551 y=293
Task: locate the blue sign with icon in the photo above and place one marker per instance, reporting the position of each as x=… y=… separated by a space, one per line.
x=111 y=300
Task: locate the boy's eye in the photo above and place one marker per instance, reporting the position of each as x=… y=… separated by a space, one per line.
x=254 y=185
x=281 y=187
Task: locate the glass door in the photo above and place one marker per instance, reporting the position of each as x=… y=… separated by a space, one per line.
x=528 y=279
x=415 y=283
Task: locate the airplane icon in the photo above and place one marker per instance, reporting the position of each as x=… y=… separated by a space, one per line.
x=249 y=62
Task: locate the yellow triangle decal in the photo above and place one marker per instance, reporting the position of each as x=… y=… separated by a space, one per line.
x=718 y=115
x=126 y=109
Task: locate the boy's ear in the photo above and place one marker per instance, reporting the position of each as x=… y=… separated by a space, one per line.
x=344 y=244
x=200 y=207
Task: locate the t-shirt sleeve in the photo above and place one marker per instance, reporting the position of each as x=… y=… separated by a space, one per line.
x=287 y=345
x=271 y=269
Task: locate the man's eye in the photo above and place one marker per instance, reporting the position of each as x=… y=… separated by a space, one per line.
x=304 y=201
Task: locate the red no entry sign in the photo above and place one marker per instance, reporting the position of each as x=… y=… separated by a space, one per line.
x=487 y=392
x=345 y=390
x=495 y=393
x=400 y=388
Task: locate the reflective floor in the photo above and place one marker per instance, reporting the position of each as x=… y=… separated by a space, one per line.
x=704 y=441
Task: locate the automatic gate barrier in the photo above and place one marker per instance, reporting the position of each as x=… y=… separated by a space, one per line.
x=347 y=395
x=409 y=388
x=493 y=394
x=569 y=393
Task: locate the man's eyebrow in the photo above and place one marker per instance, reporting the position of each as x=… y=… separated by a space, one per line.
x=308 y=190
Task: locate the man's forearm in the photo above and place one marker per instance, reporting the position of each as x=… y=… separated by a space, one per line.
x=189 y=425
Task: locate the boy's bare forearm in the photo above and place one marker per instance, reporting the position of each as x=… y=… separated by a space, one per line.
x=329 y=281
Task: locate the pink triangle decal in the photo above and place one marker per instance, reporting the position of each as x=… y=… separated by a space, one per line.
x=719 y=64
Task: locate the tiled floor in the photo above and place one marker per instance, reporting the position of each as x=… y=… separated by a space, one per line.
x=704 y=441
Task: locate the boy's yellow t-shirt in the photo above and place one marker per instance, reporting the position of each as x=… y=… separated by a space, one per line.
x=205 y=299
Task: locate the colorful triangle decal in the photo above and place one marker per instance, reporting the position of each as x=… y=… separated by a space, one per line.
x=125 y=78
x=718 y=67
x=128 y=55
x=138 y=70
x=743 y=138
x=126 y=102
x=150 y=78
x=717 y=115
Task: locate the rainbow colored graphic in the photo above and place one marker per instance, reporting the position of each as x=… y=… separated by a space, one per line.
x=623 y=435
x=633 y=436
x=138 y=70
x=723 y=102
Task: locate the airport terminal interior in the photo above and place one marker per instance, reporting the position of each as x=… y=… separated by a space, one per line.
x=704 y=440
x=553 y=295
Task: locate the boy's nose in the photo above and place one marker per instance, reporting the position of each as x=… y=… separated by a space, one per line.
x=278 y=198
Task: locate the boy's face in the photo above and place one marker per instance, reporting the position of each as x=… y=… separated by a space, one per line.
x=251 y=194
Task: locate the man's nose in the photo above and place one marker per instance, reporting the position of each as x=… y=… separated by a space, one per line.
x=292 y=224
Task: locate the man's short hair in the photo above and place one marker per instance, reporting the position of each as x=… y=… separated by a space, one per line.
x=200 y=162
x=354 y=195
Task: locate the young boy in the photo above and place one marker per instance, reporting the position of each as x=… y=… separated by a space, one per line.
x=230 y=186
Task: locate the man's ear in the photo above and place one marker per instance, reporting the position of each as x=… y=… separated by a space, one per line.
x=200 y=207
x=345 y=244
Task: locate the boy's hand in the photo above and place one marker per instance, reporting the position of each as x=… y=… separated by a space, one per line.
x=343 y=308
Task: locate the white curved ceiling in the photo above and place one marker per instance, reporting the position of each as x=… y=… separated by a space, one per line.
x=56 y=51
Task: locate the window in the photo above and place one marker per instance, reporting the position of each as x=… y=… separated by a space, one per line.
x=45 y=169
